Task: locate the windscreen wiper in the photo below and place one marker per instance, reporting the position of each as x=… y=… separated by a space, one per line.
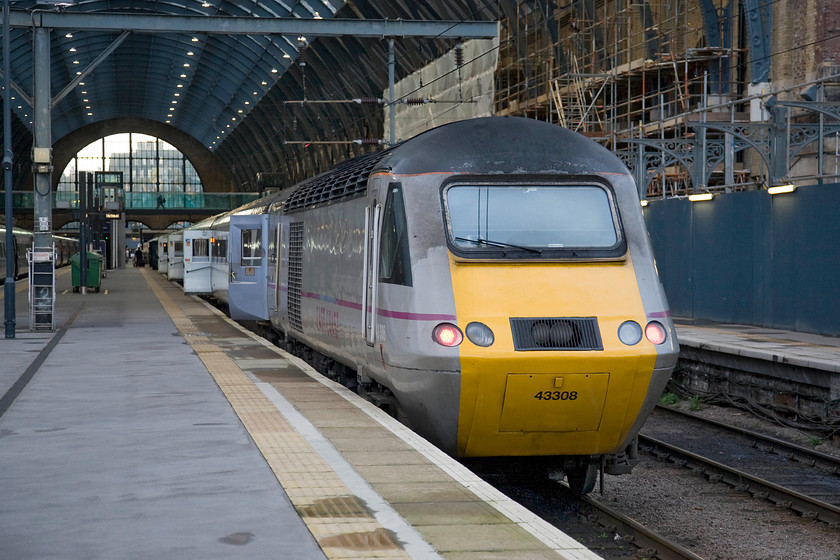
x=502 y=244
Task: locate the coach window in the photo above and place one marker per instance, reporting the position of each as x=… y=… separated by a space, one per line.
x=251 y=249
x=219 y=249
x=200 y=248
x=394 y=260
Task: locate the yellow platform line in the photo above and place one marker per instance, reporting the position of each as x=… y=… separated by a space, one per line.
x=337 y=519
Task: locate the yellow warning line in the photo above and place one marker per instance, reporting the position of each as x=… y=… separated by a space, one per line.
x=336 y=518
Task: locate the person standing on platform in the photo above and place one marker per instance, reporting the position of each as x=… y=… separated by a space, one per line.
x=138 y=257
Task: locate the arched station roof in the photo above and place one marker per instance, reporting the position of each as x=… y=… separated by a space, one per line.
x=226 y=91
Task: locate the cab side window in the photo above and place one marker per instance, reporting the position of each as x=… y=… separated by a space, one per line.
x=394 y=259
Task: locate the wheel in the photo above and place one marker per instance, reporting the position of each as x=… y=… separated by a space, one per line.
x=581 y=478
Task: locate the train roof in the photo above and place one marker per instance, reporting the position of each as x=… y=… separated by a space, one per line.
x=505 y=145
x=482 y=146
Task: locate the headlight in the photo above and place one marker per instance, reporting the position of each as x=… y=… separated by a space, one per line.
x=480 y=334
x=447 y=334
x=656 y=333
x=630 y=333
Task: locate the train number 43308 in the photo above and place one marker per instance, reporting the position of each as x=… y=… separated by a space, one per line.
x=556 y=395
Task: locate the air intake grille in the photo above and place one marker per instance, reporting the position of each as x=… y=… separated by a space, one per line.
x=564 y=333
x=295 y=274
x=346 y=180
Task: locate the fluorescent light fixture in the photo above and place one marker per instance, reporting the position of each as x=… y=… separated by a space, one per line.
x=781 y=189
x=701 y=196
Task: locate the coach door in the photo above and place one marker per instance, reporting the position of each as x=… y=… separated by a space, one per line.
x=248 y=278
x=372 y=218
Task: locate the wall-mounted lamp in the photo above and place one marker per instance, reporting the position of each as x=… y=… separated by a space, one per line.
x=700 y=197
x=644 y=203
x=781 y=189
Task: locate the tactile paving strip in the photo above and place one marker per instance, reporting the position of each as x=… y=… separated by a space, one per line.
x=336 y=518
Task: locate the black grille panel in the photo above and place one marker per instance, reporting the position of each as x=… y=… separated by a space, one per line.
x=346 y=180
x=561 y=333
x=295 y=274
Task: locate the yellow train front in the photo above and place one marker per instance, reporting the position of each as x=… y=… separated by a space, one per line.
x=561 y=331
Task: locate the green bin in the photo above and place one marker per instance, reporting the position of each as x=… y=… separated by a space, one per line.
x=94 y=271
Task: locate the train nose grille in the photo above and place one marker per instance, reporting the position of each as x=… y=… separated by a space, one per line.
x=564 y=333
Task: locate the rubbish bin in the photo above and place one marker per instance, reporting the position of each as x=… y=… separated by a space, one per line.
x=94 y=271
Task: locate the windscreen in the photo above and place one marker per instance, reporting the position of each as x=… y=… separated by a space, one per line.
x=535 y=217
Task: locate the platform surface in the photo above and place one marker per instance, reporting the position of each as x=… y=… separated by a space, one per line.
x=151 y=426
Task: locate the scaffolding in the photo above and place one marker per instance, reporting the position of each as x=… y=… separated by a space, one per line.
x=616 y=71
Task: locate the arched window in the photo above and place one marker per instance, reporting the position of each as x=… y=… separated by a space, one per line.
x=148 y=164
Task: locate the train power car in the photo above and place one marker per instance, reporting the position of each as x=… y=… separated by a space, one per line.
x=490 y=282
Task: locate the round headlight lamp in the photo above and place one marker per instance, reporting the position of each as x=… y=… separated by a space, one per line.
x=447 y=334
x=630 y=333
x=656 y=333
x=480 y=334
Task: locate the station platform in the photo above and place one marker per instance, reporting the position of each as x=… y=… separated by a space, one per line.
x=151 y=426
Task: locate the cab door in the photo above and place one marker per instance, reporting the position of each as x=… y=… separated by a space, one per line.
x=370 y=273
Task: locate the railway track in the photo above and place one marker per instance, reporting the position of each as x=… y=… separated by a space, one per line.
x=601 y=528
x=788 y=475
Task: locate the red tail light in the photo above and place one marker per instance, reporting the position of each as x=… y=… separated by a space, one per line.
x=655 y=332
x=447 y=334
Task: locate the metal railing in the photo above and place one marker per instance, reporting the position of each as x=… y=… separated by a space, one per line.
x=24 y=200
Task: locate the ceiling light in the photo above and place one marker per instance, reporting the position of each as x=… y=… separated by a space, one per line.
x=195 y=39
x=205 y=4
x=263 y=83
x=180 y=85
x=85 y=100
x=81 y=83
x=168 y=122
x=177 y=95
x=233 y=119
x=83 y=93
x=190 y=53
x=247 y=103
x=174 y=102
x=183 y=75
x=72 y=49
x=644 y=203
x=285 y=55
x=90 y=114
x=700 y=197
x=172 y=108
x=274 y=70
x=69 y=35
x=75 y=62
x=317 y=16
x=78 y=73
x=239 y=111
x=169 y=115
x=186 y=65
